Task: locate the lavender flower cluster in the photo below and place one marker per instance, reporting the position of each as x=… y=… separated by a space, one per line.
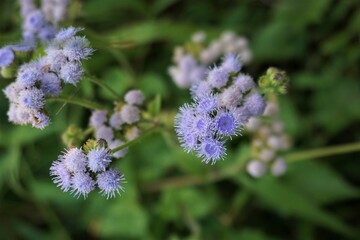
x=80 y=172
x=192 y=60
x=122 y=120
x=268 y=142
x=37 y=25
x=223 y=103
x=42 y=78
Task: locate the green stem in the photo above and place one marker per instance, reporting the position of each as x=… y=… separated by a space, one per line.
x=78 y=101
x=142 y=136
x=103 y=85
x=322 y=152
x=232 y=170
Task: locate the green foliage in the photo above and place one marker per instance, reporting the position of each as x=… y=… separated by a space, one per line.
x=170 y=194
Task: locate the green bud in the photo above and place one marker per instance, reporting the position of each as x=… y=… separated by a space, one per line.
x=72 y=136
x=8 y=72
x=90 y=144
x=274 y=81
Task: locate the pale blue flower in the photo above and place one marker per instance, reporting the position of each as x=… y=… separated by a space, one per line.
x=98 y=159
x=61 y=176
x=6 y=56
x=74 y=160
x=82 y=184
x=109 y=182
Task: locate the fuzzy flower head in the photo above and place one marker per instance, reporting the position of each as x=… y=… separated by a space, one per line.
x=218 y=77
x=98 y=118
x=207 y=104
x=82 y=184
x=28 y=75
x=32 y=98
x=66 y=33
x=50 y=84
x=61 y=176
x=71 y=72
x=116 y=120
x=74 y=160
x=134 y=97
x=6 y=57
x=117 y=143
x=211 y=150
x=77 y=48
x=226 y=124
x=231 y=63
x=255 y=104
x=98 y=159
x=109 y=182
x=104 y=132
x=130 y=114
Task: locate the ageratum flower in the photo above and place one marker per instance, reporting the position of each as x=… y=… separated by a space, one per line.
x=223 y=102
x=98 y=159
x=6 y=56
x=109 y=182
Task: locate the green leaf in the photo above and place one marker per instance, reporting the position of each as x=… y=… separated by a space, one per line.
x=320 y=183
x=125 y=220
x=154 y=106
x=174 y=203
x=287 y=201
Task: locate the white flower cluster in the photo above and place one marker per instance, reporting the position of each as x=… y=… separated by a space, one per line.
x=268 y=142
x=192 y=60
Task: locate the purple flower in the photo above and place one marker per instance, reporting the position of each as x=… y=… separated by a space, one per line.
x=130 y=114
x=77 y=48
x=40 y=120
x=28 y=75
x=211 y=150
x=6 y=56
x=134 y=97
x=207 y=104
x=256 y=168
x=98 y=159
x=244 y=83
x=231 y=63
x=34 y=21
x=61 y=176
x=47 y=33
x=50 y=84
x=66 y=33
x=255 y=104
x=71 y=72
x=105 y=133
x=109 y=182
x=82 y=184
x=231 y=97
x=22 y=47
x=32 y=98
x=55 y=58
x=74 y=160
x=116 y=120
x=218 y=77
x=98 y=118
x=226 y=124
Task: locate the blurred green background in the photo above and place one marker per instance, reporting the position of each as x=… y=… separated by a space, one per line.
x=170 y=194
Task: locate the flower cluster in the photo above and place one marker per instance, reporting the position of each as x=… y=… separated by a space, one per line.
x=223 y=103
x=268 y=142
x=55 y=10
x=121 y=122
x=37 y=25
x=192 y=60
x=42 y=78
x=80 y=171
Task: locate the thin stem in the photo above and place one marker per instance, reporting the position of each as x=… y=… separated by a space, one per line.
x=142 y=136
x=322 y=152
x=103 y=85
x=78 y=101
x=214 y=176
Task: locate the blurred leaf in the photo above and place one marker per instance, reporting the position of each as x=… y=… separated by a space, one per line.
x=174 y=202
x=154 y=106
x=126 y=220
x=251 y=234
x=320 y=183
x=287 y=201
x=119 y=80
x=301 y=13
x=160 y=5
x=152 y=84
